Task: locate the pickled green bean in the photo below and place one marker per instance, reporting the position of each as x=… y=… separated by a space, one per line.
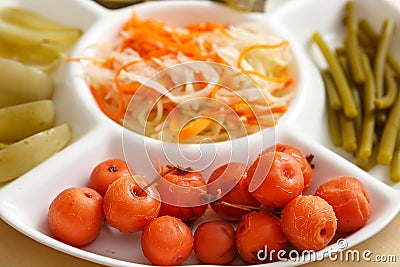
x=388 y=139
x=334 y=126
x=388 y=99
x=338 y=76
x=358 y=121
x=394 y=64
x=356 y=94
x=332 y=94
x=368 y=127
x=381 y=118
x=369 y=163
x=349 y=136
x=340 y=51
x=370 y=49
x=363 y=75
x=369 y=87
x=345 y=67
x=382 y=51
x=395 y=166
x=352 y=47
x=366 y=28
x=365 y=40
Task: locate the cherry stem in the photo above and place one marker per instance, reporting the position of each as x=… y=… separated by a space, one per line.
x=310 y=158
x=248 y=207
x=169 y=169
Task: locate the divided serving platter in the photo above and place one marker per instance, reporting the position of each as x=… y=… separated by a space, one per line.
x=24 y=202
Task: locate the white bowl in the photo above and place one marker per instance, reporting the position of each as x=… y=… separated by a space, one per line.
x=24 y=202
x=205 y=156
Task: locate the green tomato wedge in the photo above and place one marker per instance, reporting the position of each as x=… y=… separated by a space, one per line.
x=20 y=157
x=21 y=84
x=20 y=121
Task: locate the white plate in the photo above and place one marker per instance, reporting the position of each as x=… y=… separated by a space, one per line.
x=24 y=202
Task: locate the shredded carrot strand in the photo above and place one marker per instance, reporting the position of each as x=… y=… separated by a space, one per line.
x=151 y=38
x=121 y=108
x=279 y=109
x=261 y=122
x=193 y=128
x=208 y=27
x=213 y=93
x=130 y=88
x=244 y=52
x=100 y=101
x=285 y=85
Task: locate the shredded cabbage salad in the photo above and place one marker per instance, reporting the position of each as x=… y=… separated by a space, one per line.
x=202 y=81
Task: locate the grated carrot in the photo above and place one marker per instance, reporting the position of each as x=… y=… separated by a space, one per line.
x=151 y=38
x=193 y=128
x=156 y=44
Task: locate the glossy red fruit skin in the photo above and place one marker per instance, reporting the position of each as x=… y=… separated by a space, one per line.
x=127 y=207
x=181 y=194
x=75 y=216
x=309 y=222
x=256 y=231
x=299 y=157
x=106 y=172
x=282 y=179
x=350 y=201
x=230 y=179
x=167 y=241
x=214 y=242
